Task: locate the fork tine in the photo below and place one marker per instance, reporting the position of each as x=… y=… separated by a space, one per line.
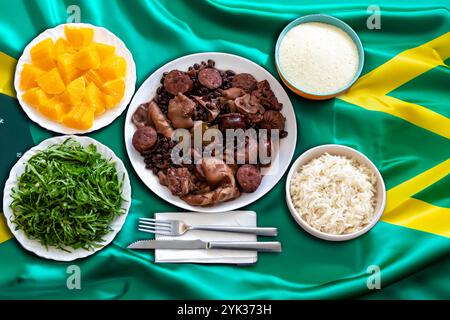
x=154 y=227
x=155 y=224
x=156 y=232
x=148 y=220
x=154 y=220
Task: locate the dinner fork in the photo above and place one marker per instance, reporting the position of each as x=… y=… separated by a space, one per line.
x=178 y=227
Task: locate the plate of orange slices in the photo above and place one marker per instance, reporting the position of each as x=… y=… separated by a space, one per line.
x=75 y=78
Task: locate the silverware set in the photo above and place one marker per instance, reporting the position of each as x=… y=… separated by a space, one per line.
x=176 y=228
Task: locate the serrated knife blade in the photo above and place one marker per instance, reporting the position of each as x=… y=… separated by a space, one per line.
x=169 y=244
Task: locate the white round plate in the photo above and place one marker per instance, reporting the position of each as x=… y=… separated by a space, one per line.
x=53 y=252
x=101 y=35
x=223 y=61
x=340 y=150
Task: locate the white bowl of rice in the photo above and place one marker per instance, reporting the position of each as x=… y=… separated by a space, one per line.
x=335 y=192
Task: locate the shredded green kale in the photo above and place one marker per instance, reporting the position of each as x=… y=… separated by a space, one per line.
x=68 y=196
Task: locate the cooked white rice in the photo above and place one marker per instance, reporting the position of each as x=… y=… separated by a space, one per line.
x=334 y=194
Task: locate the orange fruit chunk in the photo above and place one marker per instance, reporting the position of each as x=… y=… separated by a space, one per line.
x=66 y=68
x=87 y=59
x=53 y=109
x=28 y=76
x=110 y=101
x=74 y=92
x=51 y=82
x=93 y=97
x=62 y=47
x=80 y=117
x=93 y=76
x=104 y=50
x=79 y=37
x=42 y=54
x=35 y=97
x=115 y=88
x=87 y=119
x=113 y=67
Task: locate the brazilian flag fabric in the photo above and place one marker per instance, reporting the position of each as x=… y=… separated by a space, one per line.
x=397 y=114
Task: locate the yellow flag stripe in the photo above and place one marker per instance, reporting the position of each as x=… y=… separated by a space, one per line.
x=400 y=193
x=404 y=67
x=405 y=211
x=419 y=215
x=370 y=91
x=7 y=69
x=5 y=234
x=413 y=113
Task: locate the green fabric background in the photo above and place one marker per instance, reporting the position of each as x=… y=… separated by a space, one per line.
x=414 y=264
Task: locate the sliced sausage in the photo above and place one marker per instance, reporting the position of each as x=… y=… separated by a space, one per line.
x=177 y=81
x=249 y=178
x=144 y=138
x=245 y=81
x=210 y=78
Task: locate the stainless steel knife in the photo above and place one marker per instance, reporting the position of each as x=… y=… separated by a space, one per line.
x=199 y=244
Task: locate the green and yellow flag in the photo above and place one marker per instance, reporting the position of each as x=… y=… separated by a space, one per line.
x=397 y=113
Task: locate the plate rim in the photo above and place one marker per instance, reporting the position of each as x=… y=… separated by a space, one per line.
x=181 y=204
x=49 y=254
x=57 y=127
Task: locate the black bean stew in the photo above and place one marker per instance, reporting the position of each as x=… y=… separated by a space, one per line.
x=204 y=97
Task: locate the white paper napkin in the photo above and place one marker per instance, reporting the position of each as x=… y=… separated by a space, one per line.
x=232 y=218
